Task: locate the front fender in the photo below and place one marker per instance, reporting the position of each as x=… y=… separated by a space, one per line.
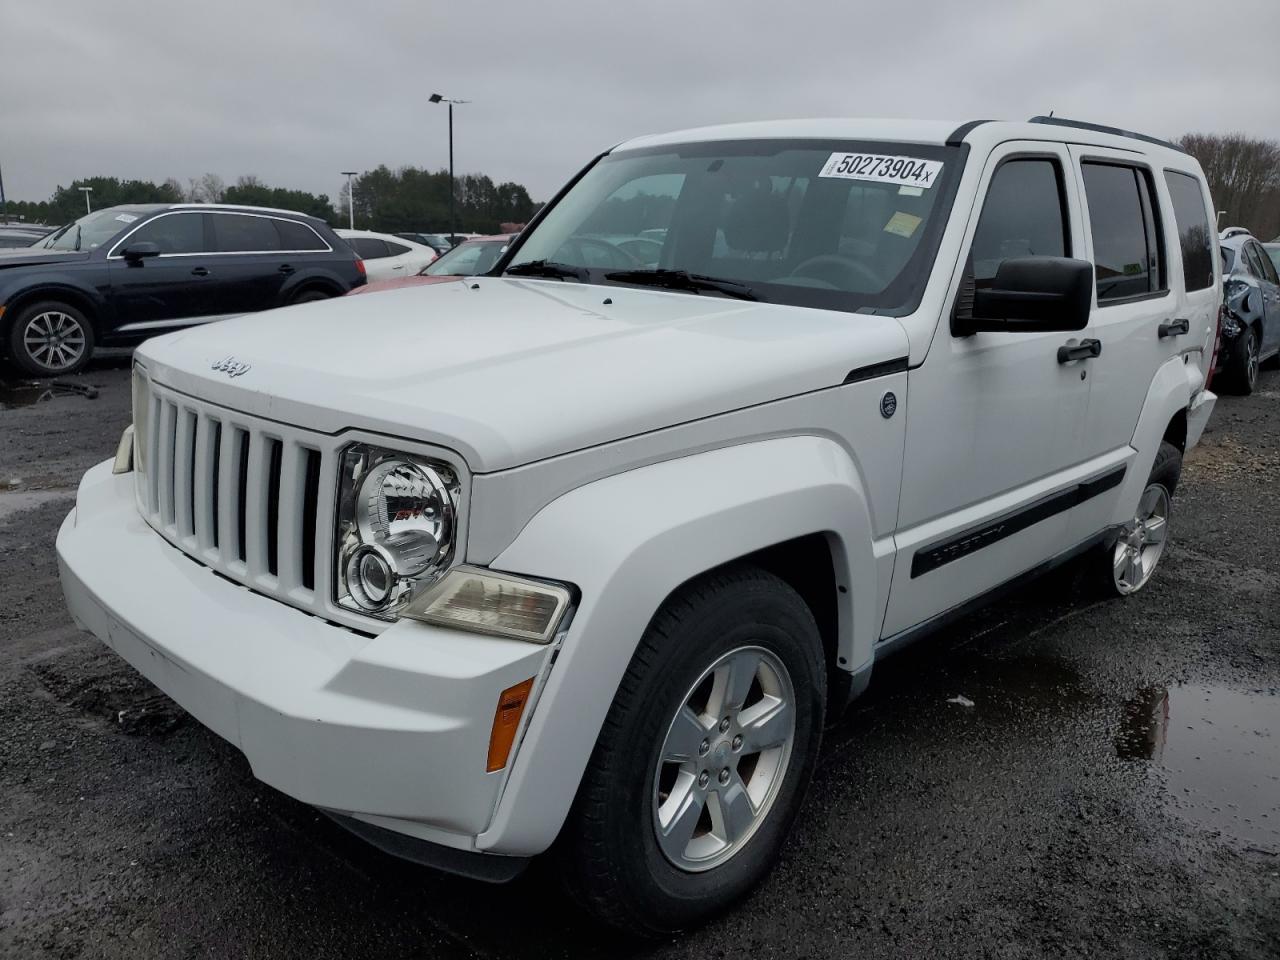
x=52 y=285
x=628 y=541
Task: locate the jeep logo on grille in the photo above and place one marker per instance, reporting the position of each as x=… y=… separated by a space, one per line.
x=231 y=367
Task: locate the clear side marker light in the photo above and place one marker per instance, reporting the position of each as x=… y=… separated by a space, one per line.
x=497 y=604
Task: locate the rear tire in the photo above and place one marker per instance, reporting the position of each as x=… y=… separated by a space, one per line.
x=309 y=296
x=50 y=339
x=703 y=760
x=1124 y=567
x=1241 y=373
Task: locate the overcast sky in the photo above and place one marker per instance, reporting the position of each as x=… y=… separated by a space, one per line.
x=295 y=91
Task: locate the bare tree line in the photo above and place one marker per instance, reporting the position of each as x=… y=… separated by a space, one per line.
x=1244 y=178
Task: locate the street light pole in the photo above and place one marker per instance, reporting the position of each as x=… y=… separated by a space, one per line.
x=453 y=220
x=86 y=191
x=351 y=198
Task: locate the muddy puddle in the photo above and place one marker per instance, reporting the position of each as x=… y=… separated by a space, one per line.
x=28 y=393
x=1217 y=750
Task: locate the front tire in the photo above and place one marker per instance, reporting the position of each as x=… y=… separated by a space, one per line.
x=50 y=339
x=704 y=758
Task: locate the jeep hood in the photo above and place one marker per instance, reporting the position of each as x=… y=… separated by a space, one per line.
x=506 y=372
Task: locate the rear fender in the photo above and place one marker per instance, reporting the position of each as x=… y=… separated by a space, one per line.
x=627 y=542
x=1171 y=391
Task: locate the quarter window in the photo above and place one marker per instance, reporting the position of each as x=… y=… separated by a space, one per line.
x=1194 y=236
x=1126 y=249
x=1023 y=216
x=174 y=233
x=298 y=236
x=236 y=233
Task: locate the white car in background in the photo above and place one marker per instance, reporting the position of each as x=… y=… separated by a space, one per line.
x=385 y=256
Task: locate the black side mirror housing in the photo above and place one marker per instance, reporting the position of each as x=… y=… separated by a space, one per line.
x=1030 y=294
x=139 y=251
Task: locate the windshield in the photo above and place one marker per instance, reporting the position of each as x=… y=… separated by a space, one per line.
x=93 y=229
x=467 y=259
x=833 y=224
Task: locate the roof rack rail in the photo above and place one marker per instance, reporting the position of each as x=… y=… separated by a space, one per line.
x=1100 y=128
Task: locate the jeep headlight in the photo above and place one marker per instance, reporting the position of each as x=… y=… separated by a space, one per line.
x=397 y=522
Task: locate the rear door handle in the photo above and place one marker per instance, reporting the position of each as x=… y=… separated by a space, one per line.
x=200 y=272
x=1173 y=328
x=1079 y=351
x=286 y=269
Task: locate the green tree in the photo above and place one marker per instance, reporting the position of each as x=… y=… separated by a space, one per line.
x=67 y=203
x=414 y=199
x=254 y=193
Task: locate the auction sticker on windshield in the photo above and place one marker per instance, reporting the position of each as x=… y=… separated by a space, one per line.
x=881 y=169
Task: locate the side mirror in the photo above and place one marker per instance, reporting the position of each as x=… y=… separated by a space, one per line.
x=136 y=252
x=1029 y=294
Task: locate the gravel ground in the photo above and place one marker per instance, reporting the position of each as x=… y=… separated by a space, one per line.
x=1112 y=791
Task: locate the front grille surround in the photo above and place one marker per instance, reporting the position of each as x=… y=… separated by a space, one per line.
x=254 y=499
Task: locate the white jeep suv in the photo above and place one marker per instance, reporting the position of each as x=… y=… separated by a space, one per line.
x=581 y=556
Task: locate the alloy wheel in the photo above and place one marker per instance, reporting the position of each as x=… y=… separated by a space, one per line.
x=723 y=759
x=55 y=340
x=1141 y=544
x=1251 y=362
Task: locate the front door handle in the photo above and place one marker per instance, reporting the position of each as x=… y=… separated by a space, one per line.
x=1079 y=351
x=1174 y=328
x=286 y=269
x=200 y=272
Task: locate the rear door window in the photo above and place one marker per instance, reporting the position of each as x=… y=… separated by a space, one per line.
x=1191 y=217
x=1126 y=248
x=1022 y=216
x=238 y=233
x=396 y=249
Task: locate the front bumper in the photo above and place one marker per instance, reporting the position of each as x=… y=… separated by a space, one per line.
x=391 y=730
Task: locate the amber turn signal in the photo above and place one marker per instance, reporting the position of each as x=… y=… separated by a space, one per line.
x=505 y=721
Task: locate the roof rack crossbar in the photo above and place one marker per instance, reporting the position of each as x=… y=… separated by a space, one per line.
x=1100 y=128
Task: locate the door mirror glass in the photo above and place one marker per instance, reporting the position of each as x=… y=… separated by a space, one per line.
x=141 y=250
x=1033 y=294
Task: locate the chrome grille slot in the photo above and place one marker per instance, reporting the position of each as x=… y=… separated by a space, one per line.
x=275 y=452
x=184 y=462
x=310 y=519
x=242 y=496
x=168 y=423
x=241 y=446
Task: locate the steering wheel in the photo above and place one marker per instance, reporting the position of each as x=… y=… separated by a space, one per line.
x=842 y=273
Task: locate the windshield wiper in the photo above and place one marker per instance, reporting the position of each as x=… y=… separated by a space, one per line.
x=683 y=280
x=546 y=268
